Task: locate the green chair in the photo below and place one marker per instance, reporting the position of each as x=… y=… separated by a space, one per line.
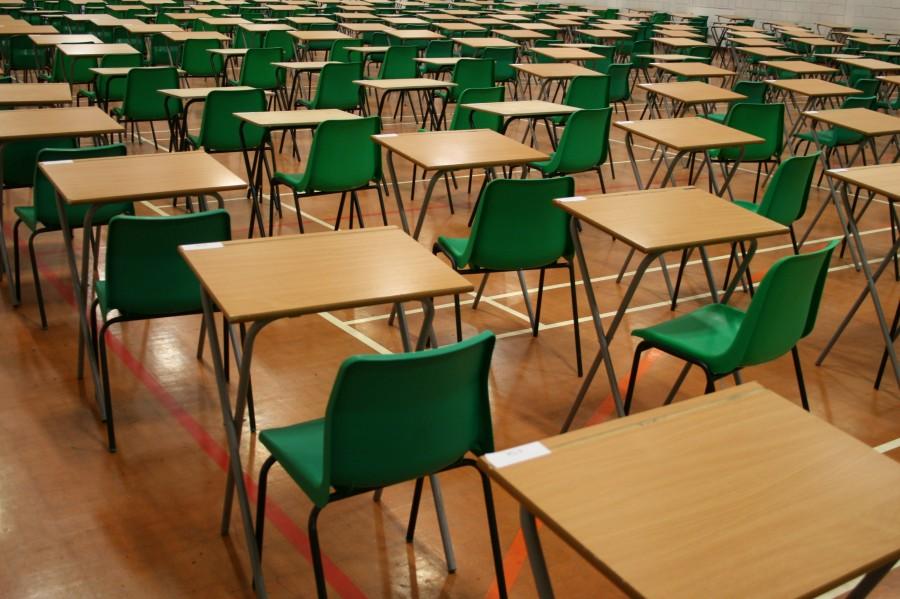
x=398 y=63
x=619 y=86
x=22 y=55
x=74 y=71
x=641 y=65
x=20 y=159
x=463 y=118
x=258 y=71
x=390 y=419
x=437 y=49
x=755 y=91
x=109 y=89
x=504 y=74
x=42 y=216
x=147 y=278
x=722 y=339
x=197 y=61
x=583 y=146
x=584 y=91
x=144 y=103
x=283 y=40
x=763 y=120
x=343 y=158
x=339 y=52
x=868 y=87
x=468 y=73
x=336 y=88
x=518 y=227
x=835 y=138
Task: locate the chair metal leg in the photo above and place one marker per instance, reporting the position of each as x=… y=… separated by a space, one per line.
x=414 y=510
x=575 y=326
x=495 y=535
x=685 y=254
x=316 y=553
x=107 y=394
x=458 y=315
x=261 y=503
x=799 y=372
x=632 y=379
x=884 y=356
x=710 y=379
x=537 y=310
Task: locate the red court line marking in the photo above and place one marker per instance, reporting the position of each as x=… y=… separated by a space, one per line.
x=338 y=580
x=517 y=554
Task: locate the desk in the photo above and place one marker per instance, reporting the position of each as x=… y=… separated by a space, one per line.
x=298 y=68
x=882 y=179
x=815 y=43
x=51 y=40
x=889 y=84
x=414 y=84
x=34 y=94
x=447 y=151
x=567 y=54
x=480 y=43
x=747 y=56
x=871 y=64
x=692 y=70
x=816 y=92
x=678 y=42
x=801 y=68
x=190 y=95
x=685 y=136
x=21 y=125
x=685 y=94
x=521 y=109
x=262 y=280
x=229 y=56
x=719 y=496
x=521 y=35
x=414 y=35
x=306 y=37
x=455 y=26
x=549 y=72
x=603 y=34
x=97 y=181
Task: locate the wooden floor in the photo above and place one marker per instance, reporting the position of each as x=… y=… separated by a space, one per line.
x=76 y=521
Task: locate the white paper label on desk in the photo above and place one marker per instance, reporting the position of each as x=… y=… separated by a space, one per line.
x=812 y=112
x=572 y=199
x=514 y=455
x=625 y=122
x=202 y=246
x=387 y=135
x=57 y=162
x=837 y=170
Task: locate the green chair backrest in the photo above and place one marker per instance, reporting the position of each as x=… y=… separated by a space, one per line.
x=619 y=86
x=143 y=102
x=639 y=48
x=754 y=90
x=20 y=158
x=113 y=88
x=80 y=73
x=21 y=53
x=145 y=274
x=587 y=91
x=283 y=40
x=398 y=417
x=336 y=87
x=846 y=137
x=220 y=129
x=584 y=142
x=44 y=193
x=462 y=116
x=339 y=53
x=471 y=72
x=197 y=62
x=600 y=65
x=502 y=58
x=788 y=191
x=763 y=120
x=439 y=49
x=399 y=63
x=343 y=154
x=517 y=225
x=258 y=71
x=868 y=87
x=782 y=311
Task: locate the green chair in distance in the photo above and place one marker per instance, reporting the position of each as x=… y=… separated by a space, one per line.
x=197 y=61
x=584 y=146
x=343 y=158
x=283 y=40
x=336 y=88
x=390 y=419
x=619 y=85
x=437 y=49
x=755 y=92
x=142 y=101
x=722 y=339
x=504 y=74
x=147 y=278
x=258 y=71
x=517 y=227
x=835 y=138
x=468 y=73
x=42 y=216
x=108 y=89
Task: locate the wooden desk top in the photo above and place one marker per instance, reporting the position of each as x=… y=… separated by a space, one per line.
x=689 y=134
x=692 y=92
x=279 y=119
x=414 y=34
x=293 y=275
x=799 y=67
x=223 y=21
x=883 y=179
x=310 y=20
x=755 y=43
x=766 y=52
x=522 y=108
x=872 y=64
x=23 y=28
x=405 y=21
x=34 y=94
x=440 y=61
x=319 y=36
x=815 y=88
x=456 y=150
x=405 y=84
x=870 y=41
x=890 y=79
x=183 y=36
x=520 y=34
x=484 y=42
x=567 y=54
x=139 y=177
x=534 y=26
x=44 y=40
x=870 y=123
x=665 y=57
x=692 y=69
x=735 y=494
x=886 y=53
x=306 y=65
x=55 y=122
x=199 y=93
x=184 y=16
x=672 y=218
x=265 y=27
x=365 y=27
x=456 y=26
x=816 y=42
x=228 y=51
x=97 y=50
x=678 y=42
x=369 y=49
x=679 y=33
x=485 y=21
x=607 y=34
x=559 y=70
x=148 y=28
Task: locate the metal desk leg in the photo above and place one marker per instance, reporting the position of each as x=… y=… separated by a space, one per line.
x=871 y=287
x=425 y=200
x=535 y=554
x=232 y=433
x=396 y=186
x=870 y=581
x=4 y=253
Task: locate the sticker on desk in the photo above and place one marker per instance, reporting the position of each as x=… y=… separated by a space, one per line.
x=572 y=199
x=57 y=162
x=202 y=246
x=811 y=112
x=837 y=170
x=386 y=135
x=514 y=455
x=624 y=122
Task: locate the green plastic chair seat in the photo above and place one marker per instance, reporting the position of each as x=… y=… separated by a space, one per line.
x=455 y=248
x=194 y=139
x=295 y=180
x=828 y=138
x=28 y=215
x=747 y=205
x=300 y=449
x=718 y=117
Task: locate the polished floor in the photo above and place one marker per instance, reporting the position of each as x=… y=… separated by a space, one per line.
x=76 y=521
